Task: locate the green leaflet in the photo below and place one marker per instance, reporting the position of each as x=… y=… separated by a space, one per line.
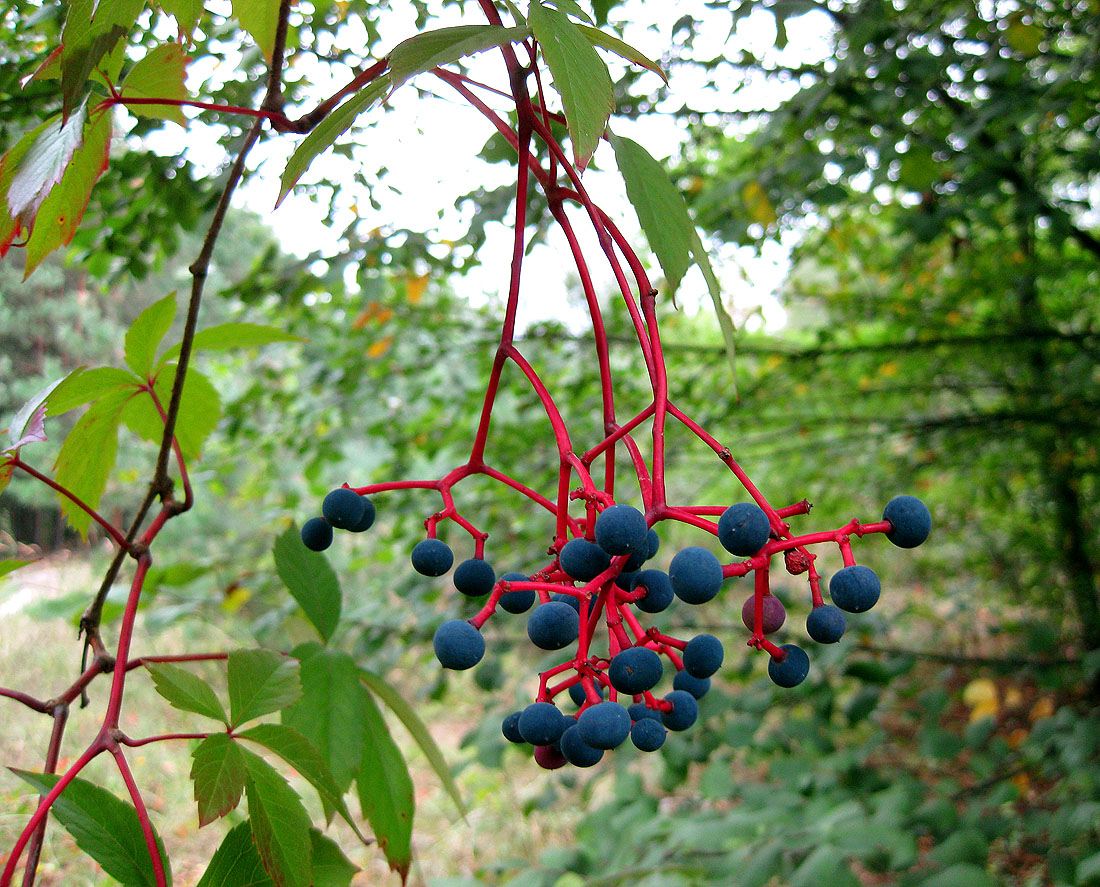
x=280 y=824
x=186 y=691
x=260 y=682
x=219 y=774
x=310 y=580
x=147 y=332
x=433 y=48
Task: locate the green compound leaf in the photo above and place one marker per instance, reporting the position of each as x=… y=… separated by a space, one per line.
x=310 y=580
x=57 y=216
x=219 y=774
x=668 y=227
x=280 y=824
x=88 y=456
x=103 y=826
x=260 y=682
x=236 y=863
x=147 y=332
x=419 y=731
x=161 y=74
x=186 y=691
x=386 y=791
x=83 y=386
x=259 y=18
x=330 y=867
x=325 y=134
x=622 y=49
x=433 y=48
x=580 y=77
x=303 y=756
x=330 y=712
x=200 y=409
x=227 y=336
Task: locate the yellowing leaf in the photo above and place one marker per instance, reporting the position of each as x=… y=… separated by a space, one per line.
x=415 y=288
x=1043 y=708
x=377 y=349
x=759 y=207
x=980 y=691
x=889 y=369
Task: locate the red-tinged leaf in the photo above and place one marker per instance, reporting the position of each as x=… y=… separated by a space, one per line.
x=44 y=165
x=10 y=224
x=159 y=75
x=103 y=826
x=6 y=468
x=236 y=863
x=88 y=456
x=219 y=774
x=580 y=78
x=260 y=682
x=60 y=213
x=92 y=31
x=29 y=426
x=83 y=386
x=280 y=824
x=386 y=791
x=260 y=19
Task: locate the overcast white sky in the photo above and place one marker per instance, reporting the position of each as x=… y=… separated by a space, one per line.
x=429 y=147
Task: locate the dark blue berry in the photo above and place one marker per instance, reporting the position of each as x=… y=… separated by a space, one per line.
x=621 y=529
x=703 y=656
x=639 y=711
x=367 y=520
x=826 y=624
x=474 y=577
x=792 y=669
x=553 y=625
x=696 y=575
x=571 y=599
x=658 y=590
x=583 y=560
x=910 y=519
x=577 y=752
x=743 y=529
x=458 y=645
x=773 y=612
x=697 y=687
x=432 y=557
x=510 y=728
x=542 y=724
x=648 y=734
x=653 y=544
x=316 y=534
x=343 y=508
x=604 y=725
x=625 y=580
x=635 y=670
x=577 y=694
x=520 y=600
x=855 y=588
x=684 y=711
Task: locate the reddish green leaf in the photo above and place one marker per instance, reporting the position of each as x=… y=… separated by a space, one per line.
x=159 y=75
x=386 y=791
x=6 y=469
x=88 y=456
x=186 y=691
x=219 y=774
x=330 y=712
x=280 y=824
x=303 y=756
x=92 y=30
x=260 y=19
x=236 y=863
x=433 y=48
x=419 y=731
x=200 y=409
x=10 y=224
x=58 y=216
x=146 y=333
x=44 y=165
x=103 y=826
x=322 y=137
x=310 y=580
x=260 y=682
x=580 y=77
x=29 y=426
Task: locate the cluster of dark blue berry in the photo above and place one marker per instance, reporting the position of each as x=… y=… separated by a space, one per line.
x=600 y=579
